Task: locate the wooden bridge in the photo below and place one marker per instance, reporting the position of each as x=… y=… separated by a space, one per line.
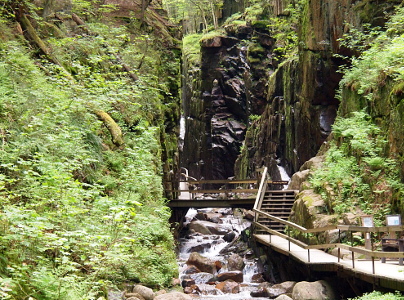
x=272 y=229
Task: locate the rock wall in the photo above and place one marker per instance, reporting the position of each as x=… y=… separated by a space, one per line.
x=220 y=95
x=301 y=93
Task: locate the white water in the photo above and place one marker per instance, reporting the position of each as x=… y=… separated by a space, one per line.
x=217 y=244
x=284 y=176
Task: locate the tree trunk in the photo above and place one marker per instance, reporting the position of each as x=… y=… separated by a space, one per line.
x=114 y=129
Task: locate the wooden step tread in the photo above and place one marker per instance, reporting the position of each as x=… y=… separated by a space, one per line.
x=277 y=204
x=278 y=200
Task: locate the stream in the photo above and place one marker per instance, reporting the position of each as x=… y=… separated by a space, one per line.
x=216 y=235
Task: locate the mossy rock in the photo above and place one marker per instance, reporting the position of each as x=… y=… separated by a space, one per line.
x=261 y=24
x=255 y=51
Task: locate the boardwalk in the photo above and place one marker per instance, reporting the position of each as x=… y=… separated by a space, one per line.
x=272 y=228
x=388 y=275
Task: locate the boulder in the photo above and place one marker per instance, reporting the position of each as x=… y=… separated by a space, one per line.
x=283 y=297
x=257 y=278
x=318 y=290
x=175 y=282
x=187 y=282
x=202 y=263
x=287 y=286
x=173 y=296
x=228 y=237
x=200 y=248
x=235 y=262
x=191 y=270
x=236 y=276
x=260 y=292
x=199 y=226
x=249 y=215
x=297 y=179
x=228 y=287
x=145 y=292
x=160 y=292
x=214 y=217
x=209 y=228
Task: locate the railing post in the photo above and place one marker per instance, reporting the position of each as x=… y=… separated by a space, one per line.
x=288 y=238
x=308 y=250
x=353 y=254
x=373 y=258
x=339 y=242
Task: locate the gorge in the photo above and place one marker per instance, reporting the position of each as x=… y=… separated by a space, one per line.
x=92 y=95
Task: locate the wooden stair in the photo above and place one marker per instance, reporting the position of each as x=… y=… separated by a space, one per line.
x=278 y=203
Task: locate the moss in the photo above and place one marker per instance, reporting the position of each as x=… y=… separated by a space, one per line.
x=192 y=48
x=255 y=53
x=260 y=24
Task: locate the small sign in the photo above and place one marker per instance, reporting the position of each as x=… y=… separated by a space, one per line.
x=367 y=221
x=393 y=220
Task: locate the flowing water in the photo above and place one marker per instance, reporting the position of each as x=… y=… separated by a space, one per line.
x=212 y=246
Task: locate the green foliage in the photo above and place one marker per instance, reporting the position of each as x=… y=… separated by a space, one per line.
x=78 y=214
x=355 y=173
x=191 y=48
x=382 y=54
x=194 y=12
x=257 y=10
x=284 y=29
x=380 y=296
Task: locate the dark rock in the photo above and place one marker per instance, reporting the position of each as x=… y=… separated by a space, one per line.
x=191 y=270
x=200 y=216
x=237 y=276
x=187 y=282
x=249 y=215
x=200 y=247
x=228 y=237
x=260 y=292
x=257 y=278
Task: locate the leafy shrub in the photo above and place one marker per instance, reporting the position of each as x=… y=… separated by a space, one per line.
x=380 y=296
x=355 y=173
x=78 y=214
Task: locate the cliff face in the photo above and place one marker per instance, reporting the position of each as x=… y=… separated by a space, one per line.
x=301 y=93
x=220 y=95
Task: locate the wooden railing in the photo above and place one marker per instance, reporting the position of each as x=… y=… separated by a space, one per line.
x=348 y=228
x=231 y=188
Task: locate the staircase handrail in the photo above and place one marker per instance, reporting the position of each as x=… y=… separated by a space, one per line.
x=261 y=189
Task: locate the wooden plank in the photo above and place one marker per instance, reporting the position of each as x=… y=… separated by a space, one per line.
x=247 y=203
x=280 y=220
x=235 y=191
x=196 y=191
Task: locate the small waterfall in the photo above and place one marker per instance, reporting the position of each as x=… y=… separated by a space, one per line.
x=181 y=137
x=284 y=176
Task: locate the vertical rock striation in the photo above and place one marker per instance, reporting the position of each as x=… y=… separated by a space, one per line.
x=301 y=93
x=218 y=99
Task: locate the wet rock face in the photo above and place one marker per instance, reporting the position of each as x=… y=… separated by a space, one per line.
x=292 y=133
x=218 y=98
